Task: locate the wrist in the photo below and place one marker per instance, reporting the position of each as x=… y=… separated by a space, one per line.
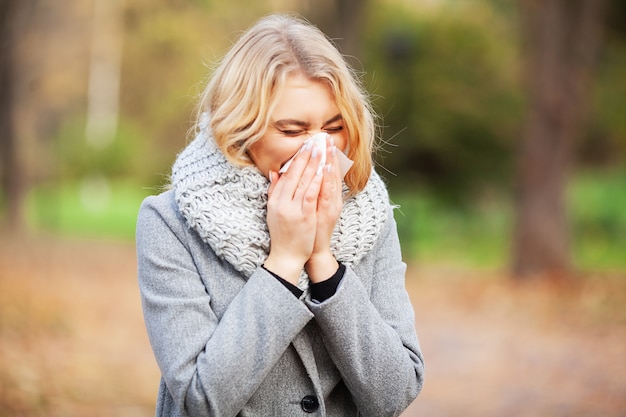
x=321 y=266
x=285 y=267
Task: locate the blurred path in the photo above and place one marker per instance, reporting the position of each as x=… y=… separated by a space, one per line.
x=72 y=341
x=496 y=349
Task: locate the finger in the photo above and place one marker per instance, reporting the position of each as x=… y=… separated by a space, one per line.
x=290 y=180
x=331 y=188
x=332 y=171
x=311 y=196
x=309 y=173
x=273 y=182
x=337 y=163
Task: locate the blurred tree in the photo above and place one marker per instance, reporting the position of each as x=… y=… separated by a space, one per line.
x=445 y=83
x=342 y=21
x=561 y=39
x=42 y=52
x=104 y=73
x=605 y=145
x=11 y=174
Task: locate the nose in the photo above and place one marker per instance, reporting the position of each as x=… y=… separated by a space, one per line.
x=320 y=135
x=313 y=133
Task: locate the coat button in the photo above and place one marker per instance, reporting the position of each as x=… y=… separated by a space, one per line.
x=309 y=403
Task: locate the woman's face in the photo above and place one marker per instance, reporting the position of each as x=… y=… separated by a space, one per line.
x=304 y=107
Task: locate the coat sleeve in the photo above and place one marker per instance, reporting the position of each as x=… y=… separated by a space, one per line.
x=210 y=366
x=370 y=333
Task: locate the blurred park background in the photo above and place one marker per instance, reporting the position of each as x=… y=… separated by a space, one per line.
x=503 y=141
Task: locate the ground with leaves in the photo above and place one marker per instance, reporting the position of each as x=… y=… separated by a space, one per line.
x=72 y=341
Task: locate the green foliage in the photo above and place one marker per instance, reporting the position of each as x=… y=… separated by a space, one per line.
x=169 y=51
x=478 y=234
x=78 y=157
x=93 y=207
x=163 y=67
x=128 y=155
x=450 y=98
x=597 y=201
x=432 y=230
x=445 y=79
x=606 y=142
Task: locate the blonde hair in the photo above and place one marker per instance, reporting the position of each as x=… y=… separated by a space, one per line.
x=241 y=93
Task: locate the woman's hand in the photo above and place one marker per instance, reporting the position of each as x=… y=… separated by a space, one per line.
x=322 y=264
x=291 y=215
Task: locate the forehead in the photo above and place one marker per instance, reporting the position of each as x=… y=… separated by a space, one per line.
x=300 y=95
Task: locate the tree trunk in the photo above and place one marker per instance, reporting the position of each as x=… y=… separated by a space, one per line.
x=104 y=73
x=11 y=175
x=342 y=21
x=349 y=24
x=561 y=41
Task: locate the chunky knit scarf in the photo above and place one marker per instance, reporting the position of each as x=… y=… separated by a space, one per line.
x=226 y=206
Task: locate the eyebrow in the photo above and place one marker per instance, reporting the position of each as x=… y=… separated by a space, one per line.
x=334 y=119
x=293 y=122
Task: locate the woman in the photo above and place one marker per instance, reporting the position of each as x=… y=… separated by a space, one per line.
x=270 y=291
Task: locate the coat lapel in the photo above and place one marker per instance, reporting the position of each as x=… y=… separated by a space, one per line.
x=302 y=344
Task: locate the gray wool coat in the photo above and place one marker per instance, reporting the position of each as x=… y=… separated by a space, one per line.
x=228 y=345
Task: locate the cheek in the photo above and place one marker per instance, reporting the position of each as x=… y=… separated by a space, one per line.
x=285 y=152
x=341 y=141
x=271 y=155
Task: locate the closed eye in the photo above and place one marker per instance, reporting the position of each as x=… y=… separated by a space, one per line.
x=292 y=132
x=334 y=129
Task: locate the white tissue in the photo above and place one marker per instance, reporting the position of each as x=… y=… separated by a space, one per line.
x=319 y=142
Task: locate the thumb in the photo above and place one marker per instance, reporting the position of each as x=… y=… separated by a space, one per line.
x=273 y=179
